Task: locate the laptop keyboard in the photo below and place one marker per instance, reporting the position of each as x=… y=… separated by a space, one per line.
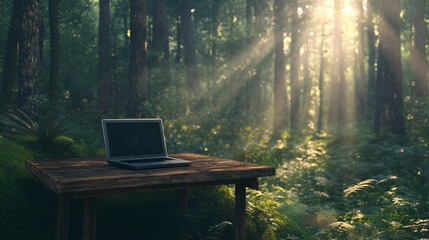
x=147 y=160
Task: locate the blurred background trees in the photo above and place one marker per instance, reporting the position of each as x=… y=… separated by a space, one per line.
x=230 y=58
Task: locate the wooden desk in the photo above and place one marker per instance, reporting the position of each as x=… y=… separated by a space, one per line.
x=91 y=177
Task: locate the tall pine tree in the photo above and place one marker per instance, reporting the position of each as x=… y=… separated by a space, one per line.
x=389 y=100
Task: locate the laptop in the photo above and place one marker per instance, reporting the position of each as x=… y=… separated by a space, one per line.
x=137 y=144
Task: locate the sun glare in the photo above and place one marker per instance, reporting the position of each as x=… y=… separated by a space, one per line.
x=348 y=10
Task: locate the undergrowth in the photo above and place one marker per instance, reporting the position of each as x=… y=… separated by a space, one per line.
x=354 y=185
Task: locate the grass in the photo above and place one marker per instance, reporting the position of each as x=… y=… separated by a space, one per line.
x=27 y=207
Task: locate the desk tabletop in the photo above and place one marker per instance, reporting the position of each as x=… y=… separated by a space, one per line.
x=86 y=175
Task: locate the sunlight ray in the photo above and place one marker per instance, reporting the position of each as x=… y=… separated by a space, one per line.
x=242 y=64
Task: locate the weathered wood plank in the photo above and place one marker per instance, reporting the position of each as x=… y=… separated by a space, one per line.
x=162 y=187
x=63 y=216
x=93 y=174
x=89 y=219
x=183 y=199
x=240 y=212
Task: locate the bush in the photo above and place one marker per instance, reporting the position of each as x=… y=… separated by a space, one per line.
x=61 y=147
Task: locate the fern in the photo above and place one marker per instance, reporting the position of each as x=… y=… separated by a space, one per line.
x=45 y=130
x=342 y=226
x=361 y=186
x=17 y=123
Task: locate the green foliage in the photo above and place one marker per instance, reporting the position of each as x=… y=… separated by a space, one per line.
x=27 y=207
x=60 y=147
x=45 y=130
x=361 y=186
x=419 y=184
x=266 y=221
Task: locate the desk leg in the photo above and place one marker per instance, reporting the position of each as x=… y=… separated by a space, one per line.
x=89 y=219
x=63 y=216
x=183 y=199
x=240 y=211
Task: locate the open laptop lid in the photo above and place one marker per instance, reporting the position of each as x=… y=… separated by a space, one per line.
x=129 y=139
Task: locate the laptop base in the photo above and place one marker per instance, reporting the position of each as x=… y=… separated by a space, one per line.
x=151 y=164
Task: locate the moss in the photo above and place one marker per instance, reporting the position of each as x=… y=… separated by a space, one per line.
x=27 y=208
x=61 y=147
x=64 y=147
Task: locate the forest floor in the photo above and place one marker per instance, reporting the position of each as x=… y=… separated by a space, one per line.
x=355 y=185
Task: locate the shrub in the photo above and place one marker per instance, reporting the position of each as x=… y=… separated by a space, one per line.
x=45 y=130
x=60 y=147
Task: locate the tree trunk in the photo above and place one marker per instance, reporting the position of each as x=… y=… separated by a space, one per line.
x=371 y=57
x=160 y=30
x=178 y=38
x=104 y=58
x=258 y=10
x=321 y=80
x=308 y=82
x=125 y=18
x=137 y=83
x=337 y=95
x=361 y=83
x=192 y=80
x=294 y=69
x=42 y=31
x=248 y=17
x=28 y=64
x=280 y=92
x=341 y=101
x=418 y=53
x=213 y=53
x=115 y=86
x=54 y=77
x=389 y=101
x=11 y=57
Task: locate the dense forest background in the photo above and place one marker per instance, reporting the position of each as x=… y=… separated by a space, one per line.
x=333 y=93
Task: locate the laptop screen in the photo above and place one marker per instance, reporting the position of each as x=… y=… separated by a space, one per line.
x=131 y=138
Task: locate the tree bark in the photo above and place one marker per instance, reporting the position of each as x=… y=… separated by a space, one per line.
x=160 y=30
x=137 y=82
x=42 y=31
x=342 y=101
x=361 y=83
x=213 y=47
x=28 y=63
x=418 y=53
x=295 y=91
x=11 y=58
x=248 y=17
x=104 y=58
x=54 y=77
x=258 y=10
x=321 y=81
x=280 y=92
x=178 y=39
x=192 y=80
x=372 y=54
x=337 y=96
x=389 y=101
x=308 y=82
